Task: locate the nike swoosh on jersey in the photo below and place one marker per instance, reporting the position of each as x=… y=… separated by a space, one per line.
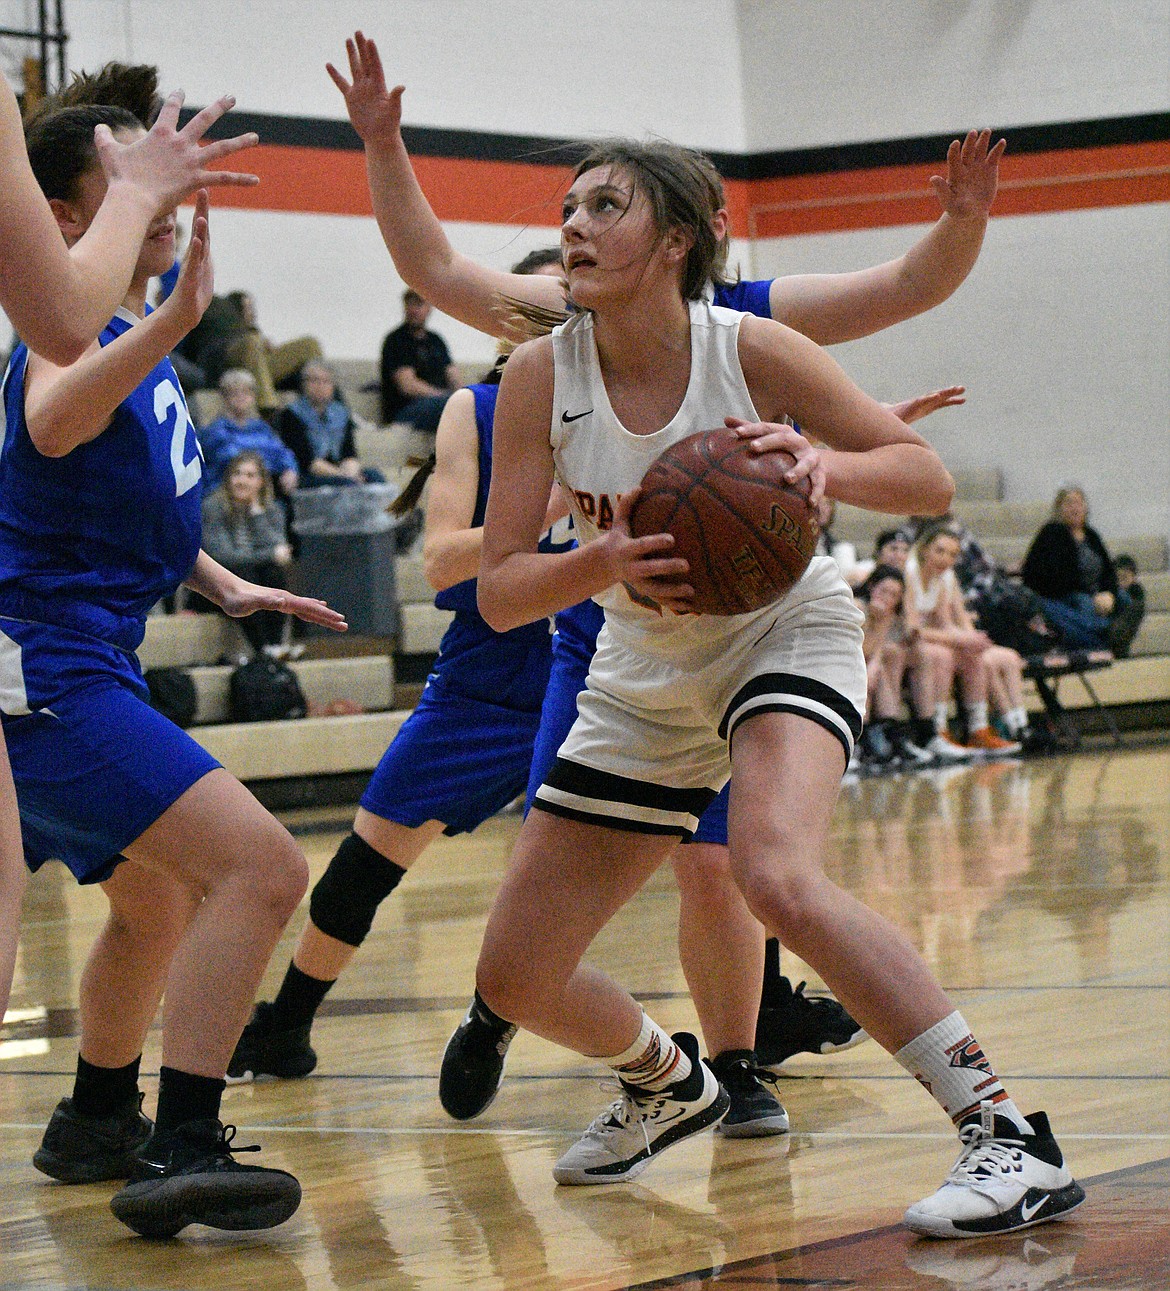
x=576 y=416
x=1027 y=1212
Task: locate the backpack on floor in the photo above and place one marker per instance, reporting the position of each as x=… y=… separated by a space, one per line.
x=172 y=693
x=265 y=690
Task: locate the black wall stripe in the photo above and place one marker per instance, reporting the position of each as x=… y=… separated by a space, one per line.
x=482 y=145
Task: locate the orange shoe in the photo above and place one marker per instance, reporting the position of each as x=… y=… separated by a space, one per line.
x=990 y=745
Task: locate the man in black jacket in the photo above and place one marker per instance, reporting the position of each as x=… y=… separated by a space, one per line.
x=418 y=376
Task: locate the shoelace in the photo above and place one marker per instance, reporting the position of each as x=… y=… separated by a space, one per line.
x=626 y=1111
x=224 y=1143
x=744 y=1072
x=802 y=1001
x=984 y=1154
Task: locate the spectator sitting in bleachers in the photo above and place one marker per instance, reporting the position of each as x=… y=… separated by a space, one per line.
x=418 y=376
x=1128 y=616
x=242 y=428
x=884 y=648
x=229 y=336
x=1069 y=568
x=244 y=529
x=890 y=547
x=935 y=608
x=319 y=429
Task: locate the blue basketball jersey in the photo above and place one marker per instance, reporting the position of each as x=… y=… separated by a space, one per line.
x=90 y=541
x=473 y=657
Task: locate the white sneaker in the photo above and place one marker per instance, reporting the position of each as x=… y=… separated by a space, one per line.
x=621 y=1141
x=1003 y=1181
x=945 y=750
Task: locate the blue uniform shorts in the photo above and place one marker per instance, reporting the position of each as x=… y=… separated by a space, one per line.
x=455 y=759
x=94 y=765
x=572 y=649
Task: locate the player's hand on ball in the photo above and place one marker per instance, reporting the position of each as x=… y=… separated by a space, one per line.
x=771 y=437
x=653 y=577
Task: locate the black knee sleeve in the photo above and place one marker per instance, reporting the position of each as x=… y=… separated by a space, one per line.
x=348 y=894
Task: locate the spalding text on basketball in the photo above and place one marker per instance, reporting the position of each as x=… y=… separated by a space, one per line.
x=782 y=525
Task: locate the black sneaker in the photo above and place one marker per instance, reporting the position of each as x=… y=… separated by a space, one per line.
x=196 y=1180
x=472 y=1070
x=91 y=1149
x=791 y=1022
x=755 y=1111
x=264 y=1051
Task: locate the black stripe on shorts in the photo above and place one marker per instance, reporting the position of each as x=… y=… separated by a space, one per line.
x=786 y=690
x=581 y=793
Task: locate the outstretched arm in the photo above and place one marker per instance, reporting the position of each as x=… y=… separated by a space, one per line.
x=238 y=598
x=422 y=255
x=873 y=459
x=831 y=308
x=58 y=299
x=68 y=406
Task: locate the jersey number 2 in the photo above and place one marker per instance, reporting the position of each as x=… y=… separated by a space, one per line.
x=187 y=474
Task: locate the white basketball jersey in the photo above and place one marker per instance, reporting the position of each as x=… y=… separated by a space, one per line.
x=597 y=459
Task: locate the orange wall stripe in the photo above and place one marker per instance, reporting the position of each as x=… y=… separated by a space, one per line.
x=326 y=181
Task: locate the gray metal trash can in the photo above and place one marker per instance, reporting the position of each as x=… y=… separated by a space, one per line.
x=348 y=544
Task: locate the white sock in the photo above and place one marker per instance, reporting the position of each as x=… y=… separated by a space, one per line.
x=1016 y=720
x=948 y=1062
x=977 y=716
x=653 y=1061
x=940 y=718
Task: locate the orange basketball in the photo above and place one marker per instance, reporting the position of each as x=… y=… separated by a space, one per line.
x=747 y=533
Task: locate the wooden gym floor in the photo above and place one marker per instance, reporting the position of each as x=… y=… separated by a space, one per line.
x=1040 y=893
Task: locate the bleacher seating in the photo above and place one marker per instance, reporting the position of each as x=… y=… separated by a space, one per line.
x=352 y=744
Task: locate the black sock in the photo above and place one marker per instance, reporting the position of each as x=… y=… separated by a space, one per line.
x=183 y=1097
x=486 y=1016
x=99 y=1091
x=772 y=976
x=298 y=999
x=923 y=731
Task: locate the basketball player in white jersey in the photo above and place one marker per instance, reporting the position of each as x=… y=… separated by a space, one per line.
x=675 y=702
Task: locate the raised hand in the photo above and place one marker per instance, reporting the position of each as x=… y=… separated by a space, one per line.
x=374 y=112
x=196 y=281
x=168 y=163
x=972 y=176
x=911 y=410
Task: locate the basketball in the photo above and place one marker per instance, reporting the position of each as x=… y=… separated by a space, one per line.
x=747 y=533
